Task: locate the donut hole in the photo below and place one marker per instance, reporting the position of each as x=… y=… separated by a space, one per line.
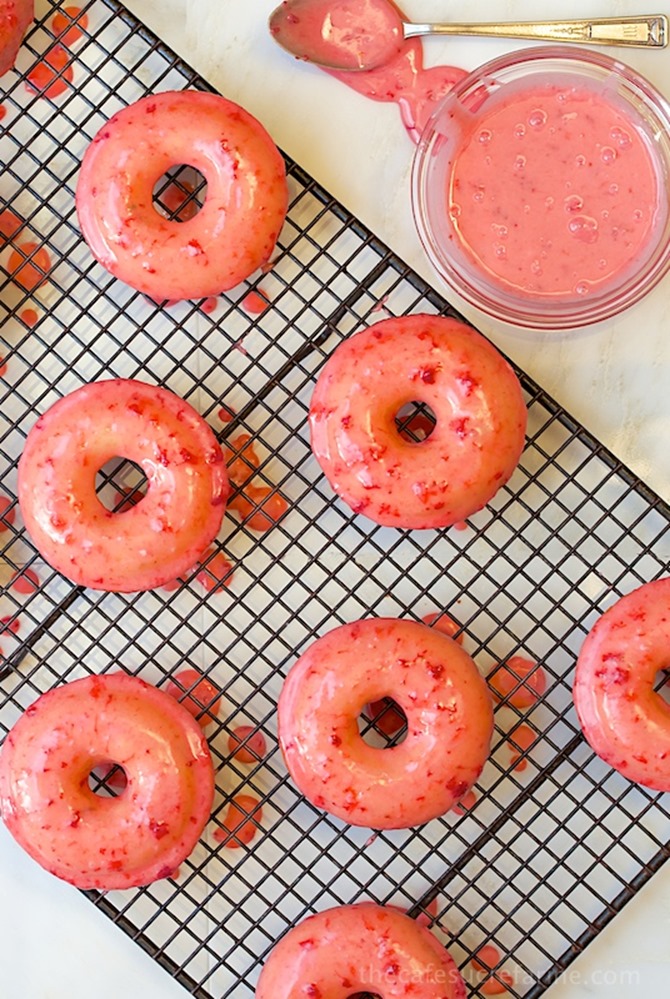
x=383 y=724
x=120 y=485
x=662 y=684
x=108 y=780
x=415 y=422
x=180 y=193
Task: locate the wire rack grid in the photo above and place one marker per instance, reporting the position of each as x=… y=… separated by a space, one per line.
x=556 y=842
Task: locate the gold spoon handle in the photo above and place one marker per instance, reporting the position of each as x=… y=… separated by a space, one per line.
x=650 y=31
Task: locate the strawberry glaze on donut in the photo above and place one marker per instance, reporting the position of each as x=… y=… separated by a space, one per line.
x=624 y=720
x=230 y=237
x=477 y=440
x=359 y=948
x=93 y=841
x=449 y=722
x=162 y=536
x=15 y=16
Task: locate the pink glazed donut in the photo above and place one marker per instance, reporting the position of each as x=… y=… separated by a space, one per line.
x=362 y=948
x=165 y=533
x=449 y=720
x=230 y=237
x=476 y=443
x=15 y=16
x=624 y=720
x=99 y=842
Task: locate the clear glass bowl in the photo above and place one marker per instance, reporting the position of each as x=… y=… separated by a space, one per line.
x=465 y=262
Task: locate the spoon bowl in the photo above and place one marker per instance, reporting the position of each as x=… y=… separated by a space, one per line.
x=359 y=35
x=339 y=34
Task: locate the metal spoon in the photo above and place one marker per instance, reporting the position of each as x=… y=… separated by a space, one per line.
x=364 y=34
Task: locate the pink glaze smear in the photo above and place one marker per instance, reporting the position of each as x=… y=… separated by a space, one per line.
x=52 y=75
x=29 y=317
x=553 y=191
x=255 y=302
x=7 y=512
x=197 y=694
x=484 y=961
x=521 y=739
x=29 y=265
x=241 y=823
x=260 y=507
x=247 y=745
x=63 y=25
x=468 y=801
x=519 y=681
x=441 y=621
x=7 y=623
x=216 y=571
x=25 y=581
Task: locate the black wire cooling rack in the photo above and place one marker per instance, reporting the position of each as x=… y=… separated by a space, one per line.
x=549 y=853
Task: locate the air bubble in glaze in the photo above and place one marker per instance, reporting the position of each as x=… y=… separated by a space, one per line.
x=537 y=118
x=621 y=137
x=584 y=228
x=573 y=203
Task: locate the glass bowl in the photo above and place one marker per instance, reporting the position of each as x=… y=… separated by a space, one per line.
x=540 y=187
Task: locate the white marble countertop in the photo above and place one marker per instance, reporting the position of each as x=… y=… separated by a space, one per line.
x=611 y=377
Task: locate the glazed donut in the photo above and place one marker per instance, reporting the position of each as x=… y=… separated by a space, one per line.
x=93 y=841
x=164 y=534
x=15 y=16
x=231 y=236
x=624 y=720
x=363 y=948
x=477 y=440
x=449 y=722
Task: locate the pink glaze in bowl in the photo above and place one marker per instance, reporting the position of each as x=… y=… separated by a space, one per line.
x=540 y=187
